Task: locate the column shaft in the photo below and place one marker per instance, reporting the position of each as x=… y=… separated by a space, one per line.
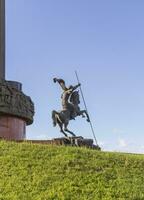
x=2 y=39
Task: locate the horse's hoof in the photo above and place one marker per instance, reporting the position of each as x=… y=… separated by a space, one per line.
x=88 y=120
x=80 y=137
x=72 y=118
x=67 y=138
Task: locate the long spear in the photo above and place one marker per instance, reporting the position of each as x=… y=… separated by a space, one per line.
x=92 y=129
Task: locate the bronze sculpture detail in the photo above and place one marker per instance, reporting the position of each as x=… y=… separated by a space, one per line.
x=70 y=107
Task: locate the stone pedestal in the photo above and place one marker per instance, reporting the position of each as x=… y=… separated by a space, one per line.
x=71 y=141
x=76 y=141
x=16 y=111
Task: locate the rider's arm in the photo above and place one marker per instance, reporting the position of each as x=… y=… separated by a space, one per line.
x=75 y=87
x=61 y=83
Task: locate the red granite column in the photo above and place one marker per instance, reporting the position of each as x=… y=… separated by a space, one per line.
x=12 y=128
x=16 y=111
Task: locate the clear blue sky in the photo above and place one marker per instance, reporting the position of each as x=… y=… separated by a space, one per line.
x=104 y=41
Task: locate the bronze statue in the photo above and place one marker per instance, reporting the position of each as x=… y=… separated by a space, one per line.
x=70 y=107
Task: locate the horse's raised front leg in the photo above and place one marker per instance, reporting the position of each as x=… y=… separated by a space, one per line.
x=84 y=111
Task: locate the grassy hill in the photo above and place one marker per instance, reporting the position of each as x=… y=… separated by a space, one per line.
x=42 y=172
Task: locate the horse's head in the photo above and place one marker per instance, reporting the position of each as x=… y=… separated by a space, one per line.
x=74 y=99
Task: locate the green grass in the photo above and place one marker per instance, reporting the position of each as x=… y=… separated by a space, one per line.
x=42 y=172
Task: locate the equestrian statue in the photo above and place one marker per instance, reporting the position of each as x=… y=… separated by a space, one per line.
x=70 y=107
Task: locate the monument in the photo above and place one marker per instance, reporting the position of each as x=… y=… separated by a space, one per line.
x=16 y=109
x=70 y=110
x=70 y=107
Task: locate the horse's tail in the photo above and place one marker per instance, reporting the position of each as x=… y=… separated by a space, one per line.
x=56 y=117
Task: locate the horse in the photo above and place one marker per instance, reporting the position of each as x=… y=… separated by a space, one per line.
x=63 y=117
x=74 y=99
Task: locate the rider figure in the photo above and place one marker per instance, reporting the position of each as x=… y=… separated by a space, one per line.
x=65 y=96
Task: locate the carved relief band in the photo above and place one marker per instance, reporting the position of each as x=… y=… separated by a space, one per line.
x=16 y=110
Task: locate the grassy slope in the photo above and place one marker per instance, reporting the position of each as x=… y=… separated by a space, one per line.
x=41 y=172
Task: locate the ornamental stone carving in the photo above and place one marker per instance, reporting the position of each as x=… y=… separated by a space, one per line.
x=14 y=102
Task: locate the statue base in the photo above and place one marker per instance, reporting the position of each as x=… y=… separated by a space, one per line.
x=71 y=141
x=76 y=141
